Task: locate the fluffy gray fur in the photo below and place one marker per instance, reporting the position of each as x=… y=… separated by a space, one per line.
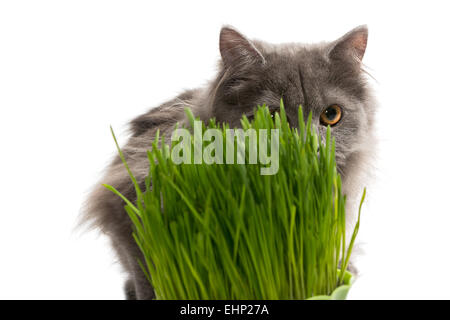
x=250 y=73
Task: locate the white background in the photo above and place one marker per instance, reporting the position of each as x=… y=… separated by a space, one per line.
x=69 y=69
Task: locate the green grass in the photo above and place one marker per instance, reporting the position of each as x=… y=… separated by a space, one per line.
x=224 y=231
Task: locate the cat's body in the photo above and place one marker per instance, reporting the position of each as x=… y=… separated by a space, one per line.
x=250 y=73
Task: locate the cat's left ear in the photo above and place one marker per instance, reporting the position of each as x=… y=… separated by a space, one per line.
x=237 y=50
x=351 y=46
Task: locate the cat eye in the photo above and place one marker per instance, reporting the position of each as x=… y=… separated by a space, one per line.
x=331 y=115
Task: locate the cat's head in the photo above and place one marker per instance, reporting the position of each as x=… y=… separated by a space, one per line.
x=327 y=79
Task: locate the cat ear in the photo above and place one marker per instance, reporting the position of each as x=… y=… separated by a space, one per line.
x=236 y=49
x=351 y=46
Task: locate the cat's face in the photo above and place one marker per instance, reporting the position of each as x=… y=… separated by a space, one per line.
x=326 y=79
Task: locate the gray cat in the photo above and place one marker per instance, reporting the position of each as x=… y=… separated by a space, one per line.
x=327 y=79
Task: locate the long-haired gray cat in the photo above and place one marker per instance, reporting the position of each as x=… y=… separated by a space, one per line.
x=327 y=79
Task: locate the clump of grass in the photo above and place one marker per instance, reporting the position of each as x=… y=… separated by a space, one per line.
x=224 y=231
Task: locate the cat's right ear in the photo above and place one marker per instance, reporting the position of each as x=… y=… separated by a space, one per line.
x=237 y=50
x=351 y=47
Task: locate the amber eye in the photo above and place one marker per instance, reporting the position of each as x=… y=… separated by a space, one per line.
x=331 y=115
